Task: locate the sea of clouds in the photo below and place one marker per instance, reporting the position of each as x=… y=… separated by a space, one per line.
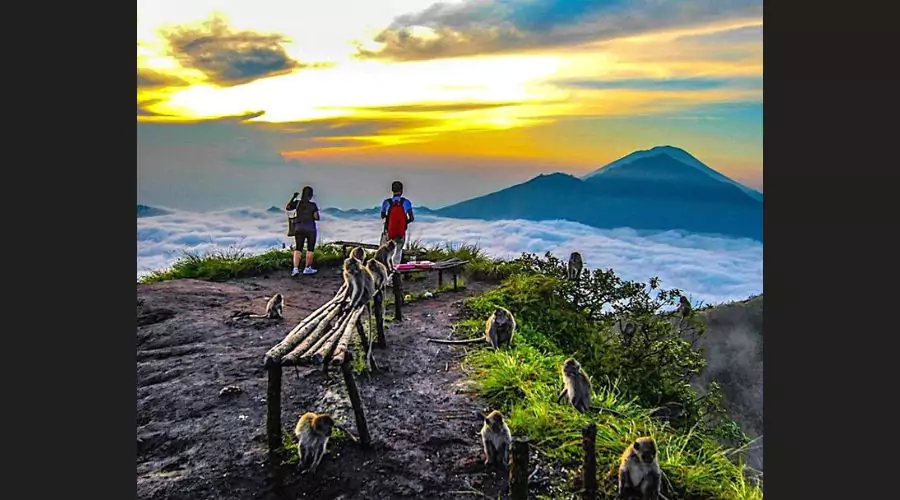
x=709 y=269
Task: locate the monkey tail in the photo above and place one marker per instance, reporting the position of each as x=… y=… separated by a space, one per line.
x=463 y=341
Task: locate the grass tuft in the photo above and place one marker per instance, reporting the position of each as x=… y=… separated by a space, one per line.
x=224 y=265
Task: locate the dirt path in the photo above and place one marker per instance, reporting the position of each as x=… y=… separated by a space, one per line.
x=195 y=444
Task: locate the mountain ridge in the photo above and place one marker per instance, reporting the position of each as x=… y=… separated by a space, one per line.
x=648 y=190
x=677 y=154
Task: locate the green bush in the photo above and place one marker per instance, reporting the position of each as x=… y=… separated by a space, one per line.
x=559 y=318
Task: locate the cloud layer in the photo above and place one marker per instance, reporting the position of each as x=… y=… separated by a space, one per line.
x=491 y=26
x=708 y=269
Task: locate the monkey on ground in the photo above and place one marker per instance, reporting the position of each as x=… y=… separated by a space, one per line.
x=274 y=309
x=496 y=438
x=577 y=386
x=498 y=329
x=639 y=472
x=576 y=264
x=358 y=253
x=379 y=272
x=312 y=433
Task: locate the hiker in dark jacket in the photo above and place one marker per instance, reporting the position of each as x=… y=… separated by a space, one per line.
x=307 y=213
x=397 y=213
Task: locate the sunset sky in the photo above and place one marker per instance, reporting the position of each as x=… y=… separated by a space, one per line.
x=242 y=102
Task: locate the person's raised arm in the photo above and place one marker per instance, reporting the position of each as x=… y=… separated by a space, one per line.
x=291 y=204
x=315 y=212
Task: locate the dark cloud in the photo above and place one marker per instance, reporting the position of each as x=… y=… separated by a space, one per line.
x=489 y=26
x=229 y=57
x=151 y=79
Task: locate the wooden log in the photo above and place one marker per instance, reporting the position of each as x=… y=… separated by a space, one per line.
x=361 y=427
x=378 y=304
x=313 y=339
x=299 y=332
x=273 y=408
x=518 y=471
x=342 y=345
x=589 y=470
x=342 y=336
x=318 y=352
x=397 y=284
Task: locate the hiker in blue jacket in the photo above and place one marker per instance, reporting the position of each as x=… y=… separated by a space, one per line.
x=397 y=214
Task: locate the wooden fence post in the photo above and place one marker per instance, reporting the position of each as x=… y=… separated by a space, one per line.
x=378 y=303
x=273 y=406
x=397 y=285
x=589 y=470
x=361 y=427
x=518 y=472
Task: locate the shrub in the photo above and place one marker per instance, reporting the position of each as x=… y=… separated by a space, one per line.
x=644 y=379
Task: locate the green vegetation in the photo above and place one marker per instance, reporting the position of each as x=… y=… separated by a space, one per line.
x=235 y=263
x=698 y=445
x=648 y=380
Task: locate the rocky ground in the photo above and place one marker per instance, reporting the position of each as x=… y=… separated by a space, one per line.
x=194 y=443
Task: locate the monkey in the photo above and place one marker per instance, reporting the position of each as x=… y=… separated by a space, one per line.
x=577 y=386
x=358 y=253
x=384 y=254
x=379 y=272
x=576 y=264
x=496 y=438
x=498 y=330
x=312 y=433
x=639 y=472
x=274 y=309
x=684 y=307
x=360 y=282
x=628 y=333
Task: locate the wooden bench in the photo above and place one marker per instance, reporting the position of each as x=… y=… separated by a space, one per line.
x=322 y=338
x=453 y=265
x=346 y=246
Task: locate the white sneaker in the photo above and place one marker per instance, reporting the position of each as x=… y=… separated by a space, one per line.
x=310 y=270
x=295 y=272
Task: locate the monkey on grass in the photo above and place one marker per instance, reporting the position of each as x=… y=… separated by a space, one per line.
x=640 y=476
x=312 y=432
x=496 y=439
x=498 y=330
x=577 y=388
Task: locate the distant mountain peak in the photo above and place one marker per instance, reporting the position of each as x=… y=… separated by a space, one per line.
x=675 y=153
